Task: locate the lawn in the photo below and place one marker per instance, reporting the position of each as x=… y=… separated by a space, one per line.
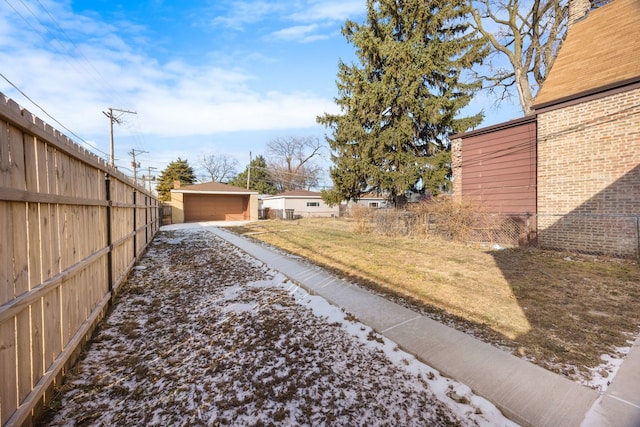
x=560 y=311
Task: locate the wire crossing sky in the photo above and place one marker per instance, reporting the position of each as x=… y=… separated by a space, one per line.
x=221 y=77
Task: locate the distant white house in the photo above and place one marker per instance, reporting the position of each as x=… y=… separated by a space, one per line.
x=371 y=200
x=298 y=204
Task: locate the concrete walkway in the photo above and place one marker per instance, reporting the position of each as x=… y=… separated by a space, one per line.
x=524 y=392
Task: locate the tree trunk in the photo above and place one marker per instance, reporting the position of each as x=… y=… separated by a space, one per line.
x=524 y=91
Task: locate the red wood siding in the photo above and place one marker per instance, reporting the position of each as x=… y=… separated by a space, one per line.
x=499 y=168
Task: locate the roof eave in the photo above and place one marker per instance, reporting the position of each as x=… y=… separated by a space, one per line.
x=494 y=128
x=588 y=95
x=292 y=197
x=244 y=193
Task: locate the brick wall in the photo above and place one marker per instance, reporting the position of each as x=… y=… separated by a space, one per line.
x=589 y=171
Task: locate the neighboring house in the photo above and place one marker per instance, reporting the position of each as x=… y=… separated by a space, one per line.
x=298 y=203
x=586 y=156
x=370 y=200
x=212 y=201
x=589 y=134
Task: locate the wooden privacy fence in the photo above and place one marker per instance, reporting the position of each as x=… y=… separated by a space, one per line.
x=71 y=228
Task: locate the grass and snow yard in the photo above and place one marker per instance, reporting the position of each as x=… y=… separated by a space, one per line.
x=573 y=315
x=202 y=334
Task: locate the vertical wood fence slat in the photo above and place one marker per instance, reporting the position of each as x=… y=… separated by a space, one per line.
x=6 y=262
x=8 y=372
x=6 y=244
x=62 y=256
x=23 y=329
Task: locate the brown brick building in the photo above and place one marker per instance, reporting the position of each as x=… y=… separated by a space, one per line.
x=587 y=117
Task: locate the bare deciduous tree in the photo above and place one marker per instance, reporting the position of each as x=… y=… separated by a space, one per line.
x=290 y=164
x=219 y=167
x=528 y=34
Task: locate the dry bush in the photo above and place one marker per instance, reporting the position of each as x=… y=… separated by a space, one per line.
x=449 y=218
x=445 y=217
x=394 y=222
x=466 y=221
x=361 y=216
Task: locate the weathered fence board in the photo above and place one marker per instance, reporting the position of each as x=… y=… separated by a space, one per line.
x=71 y=228
x=8 y=373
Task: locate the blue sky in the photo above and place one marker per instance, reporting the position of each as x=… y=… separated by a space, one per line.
x=217 y=76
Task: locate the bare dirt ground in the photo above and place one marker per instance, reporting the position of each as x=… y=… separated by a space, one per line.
x=202 y=334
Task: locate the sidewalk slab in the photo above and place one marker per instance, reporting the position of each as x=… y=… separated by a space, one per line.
x=370 y=309
x=526 y=393
x=620 y=404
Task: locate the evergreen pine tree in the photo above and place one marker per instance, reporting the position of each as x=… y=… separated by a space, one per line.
x=178 y=170
x=260 y=180
x=401 y=101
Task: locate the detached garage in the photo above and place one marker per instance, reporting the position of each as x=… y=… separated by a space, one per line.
x=213 y=201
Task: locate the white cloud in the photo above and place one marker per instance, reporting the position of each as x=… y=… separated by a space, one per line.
x=317 y=14
x=321 y=10
x=241 y=13
x=299 y=33
x=172 y=98
x=184 y=111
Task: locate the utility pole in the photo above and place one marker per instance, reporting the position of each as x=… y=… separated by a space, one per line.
x=113 y=119
x=249 y=171
x=149 y=178
x=134 y=164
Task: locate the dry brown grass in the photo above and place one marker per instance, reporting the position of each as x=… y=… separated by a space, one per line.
x=562 y=313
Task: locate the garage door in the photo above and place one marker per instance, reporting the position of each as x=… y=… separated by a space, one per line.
x=213 y=207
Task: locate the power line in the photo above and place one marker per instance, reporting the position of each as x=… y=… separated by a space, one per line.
x=74 y=57
x=135 y=164
x=113 y=119
x=69 y=53
x=49 y=115
x=53 y=19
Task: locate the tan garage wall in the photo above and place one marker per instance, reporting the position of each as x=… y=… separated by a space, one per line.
x=177 y=208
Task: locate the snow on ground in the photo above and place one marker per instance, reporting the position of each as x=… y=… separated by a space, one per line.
x=203 y=334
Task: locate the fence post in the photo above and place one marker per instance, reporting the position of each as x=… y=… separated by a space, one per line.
x=146 y=220
x=135 y=246
x=107 y=181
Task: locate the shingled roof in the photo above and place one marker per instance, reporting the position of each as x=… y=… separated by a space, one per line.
x=600 y=51
x=304 y=194
x=213 y=188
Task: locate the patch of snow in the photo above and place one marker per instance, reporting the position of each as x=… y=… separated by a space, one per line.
x=442 y=387
x=601 y=376
x=208 y=335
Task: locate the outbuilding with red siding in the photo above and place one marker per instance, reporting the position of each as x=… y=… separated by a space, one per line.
x=495 y=167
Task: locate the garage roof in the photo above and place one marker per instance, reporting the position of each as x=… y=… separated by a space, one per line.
x=213 y=188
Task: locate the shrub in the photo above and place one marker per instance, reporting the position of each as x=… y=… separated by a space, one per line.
x=452 y=219
x=362 y=217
